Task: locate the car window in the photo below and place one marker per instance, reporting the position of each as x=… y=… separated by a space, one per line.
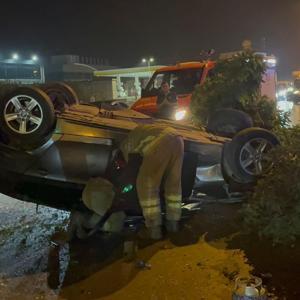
x=184 y=81
x=155 y=82
x=180 y=81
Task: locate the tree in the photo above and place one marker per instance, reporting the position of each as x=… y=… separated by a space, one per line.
x=273 y=208
x=235 y=83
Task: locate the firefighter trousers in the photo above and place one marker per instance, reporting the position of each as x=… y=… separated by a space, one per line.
x=161 y=169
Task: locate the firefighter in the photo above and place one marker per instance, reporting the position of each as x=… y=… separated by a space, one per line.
x=98 y=212
x=162 y=151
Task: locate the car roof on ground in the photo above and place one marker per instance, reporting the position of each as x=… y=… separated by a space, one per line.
x=127 y=120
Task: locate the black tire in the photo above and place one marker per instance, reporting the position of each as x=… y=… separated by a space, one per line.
x=245 y=159
x=61 y=95
x=227 y=122
x=26 y=127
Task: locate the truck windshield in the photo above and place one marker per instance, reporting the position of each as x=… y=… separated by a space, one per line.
x=180 y=81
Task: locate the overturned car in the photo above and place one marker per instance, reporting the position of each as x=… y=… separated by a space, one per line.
x=50 y=145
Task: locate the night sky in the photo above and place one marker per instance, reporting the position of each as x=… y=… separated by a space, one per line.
x=124 y=31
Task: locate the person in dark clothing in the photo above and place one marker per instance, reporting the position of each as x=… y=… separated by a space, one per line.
x=166 y=102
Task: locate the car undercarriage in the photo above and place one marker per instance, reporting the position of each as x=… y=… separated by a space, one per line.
x=51 y=145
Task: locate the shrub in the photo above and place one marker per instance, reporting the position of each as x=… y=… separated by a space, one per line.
x=273 y=209
x=235 y=83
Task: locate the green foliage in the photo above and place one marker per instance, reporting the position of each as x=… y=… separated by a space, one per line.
x=274 y=206
x=235 y=83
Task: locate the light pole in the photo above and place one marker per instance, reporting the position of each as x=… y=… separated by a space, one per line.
x=148 y=61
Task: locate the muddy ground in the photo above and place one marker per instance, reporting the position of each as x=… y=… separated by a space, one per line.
x=200 y=261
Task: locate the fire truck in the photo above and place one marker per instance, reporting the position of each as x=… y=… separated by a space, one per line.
x=182 y=79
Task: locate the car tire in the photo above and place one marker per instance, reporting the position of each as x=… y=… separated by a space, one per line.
x=61 y=95
x=27 y=117
x=245 y=158
x=227 y=122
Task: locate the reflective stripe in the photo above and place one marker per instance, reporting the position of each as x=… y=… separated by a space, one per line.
x=149 y=202
x=174 y=205
x=166 y=131
x=149 y=206
x=173 y=198
x=151 y=210
x=144 y=144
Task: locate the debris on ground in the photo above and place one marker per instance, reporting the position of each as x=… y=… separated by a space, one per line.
x=198 y=271
x=141 y=264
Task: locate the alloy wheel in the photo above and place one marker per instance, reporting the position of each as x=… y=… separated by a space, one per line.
x=254 y=158
x=23 y=114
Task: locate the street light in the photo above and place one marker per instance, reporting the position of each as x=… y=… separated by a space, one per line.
x=34 y=57
x=15 y=56
x=148 y=61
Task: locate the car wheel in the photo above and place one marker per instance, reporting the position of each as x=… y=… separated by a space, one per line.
x=61 y=95
x=246 y=157
x=27 y=117
x=228 y=122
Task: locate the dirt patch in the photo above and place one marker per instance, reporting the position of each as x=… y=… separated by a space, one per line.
x=198 y=271
x=183 y=266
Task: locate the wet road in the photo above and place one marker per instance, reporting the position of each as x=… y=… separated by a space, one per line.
x=25 y=233
x=182 y=266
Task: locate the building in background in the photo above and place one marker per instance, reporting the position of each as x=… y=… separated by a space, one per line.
x=94 y=78
x=74 y=67
x=127 y=83
x=78 y=72
x=21 y=70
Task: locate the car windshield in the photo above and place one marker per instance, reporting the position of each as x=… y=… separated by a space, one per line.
x=180 y=81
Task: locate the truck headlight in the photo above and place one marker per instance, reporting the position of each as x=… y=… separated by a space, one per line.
x=180 y=114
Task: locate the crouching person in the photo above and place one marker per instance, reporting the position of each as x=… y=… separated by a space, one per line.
x=99 y=213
